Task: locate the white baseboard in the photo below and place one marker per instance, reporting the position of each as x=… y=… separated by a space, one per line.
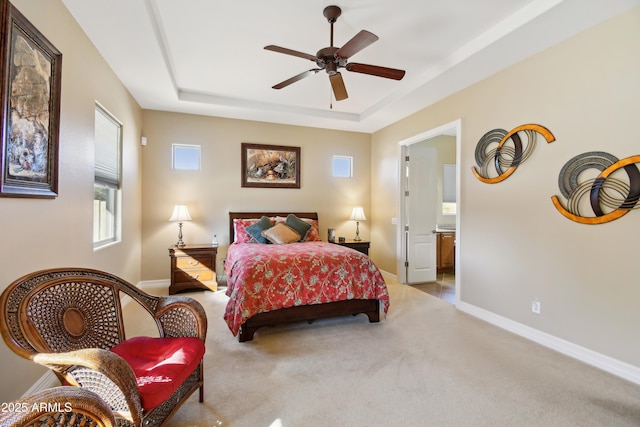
x=148 y=284
x=590 y=357
x=388 y=277
x=154 y=283
x=151 y=284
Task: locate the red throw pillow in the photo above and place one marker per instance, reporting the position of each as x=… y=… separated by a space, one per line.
x=160 y=365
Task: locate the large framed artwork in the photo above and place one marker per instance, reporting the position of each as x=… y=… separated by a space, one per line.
x=270 y=166
x=30 y=114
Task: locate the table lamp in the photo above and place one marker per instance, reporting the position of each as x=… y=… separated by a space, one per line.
x=180 y=214
x=357 y=215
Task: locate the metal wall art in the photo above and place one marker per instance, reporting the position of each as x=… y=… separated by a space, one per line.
x=611 y=194
x=508 y=153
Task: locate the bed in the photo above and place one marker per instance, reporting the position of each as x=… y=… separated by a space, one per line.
x=268 y=283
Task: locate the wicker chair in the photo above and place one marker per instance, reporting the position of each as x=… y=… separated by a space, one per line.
x=59 y=406
x=70 y=320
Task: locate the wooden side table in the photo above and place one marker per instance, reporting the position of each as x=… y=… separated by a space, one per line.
x=193 y=267
x=358 y=245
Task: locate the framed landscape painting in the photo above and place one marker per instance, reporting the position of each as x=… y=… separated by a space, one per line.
x=270 y=166
x=30 y=113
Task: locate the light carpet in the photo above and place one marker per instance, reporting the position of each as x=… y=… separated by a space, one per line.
x=427 y=364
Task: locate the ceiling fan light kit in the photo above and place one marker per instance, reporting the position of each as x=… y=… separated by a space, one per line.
x=331 y=59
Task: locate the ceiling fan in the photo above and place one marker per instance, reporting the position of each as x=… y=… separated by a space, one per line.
x=331 y=59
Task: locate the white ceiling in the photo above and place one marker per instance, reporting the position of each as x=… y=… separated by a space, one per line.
x=207 y=56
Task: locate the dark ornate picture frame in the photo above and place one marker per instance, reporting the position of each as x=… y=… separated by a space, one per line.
x=270 y=166
x=31 y=72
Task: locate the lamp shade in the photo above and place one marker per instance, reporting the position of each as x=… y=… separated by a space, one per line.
x=180 y=213
x=358 y=214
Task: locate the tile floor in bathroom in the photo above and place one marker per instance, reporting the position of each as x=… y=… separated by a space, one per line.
x=444 y=287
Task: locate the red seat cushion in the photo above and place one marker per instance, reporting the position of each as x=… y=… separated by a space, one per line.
x=160 y=364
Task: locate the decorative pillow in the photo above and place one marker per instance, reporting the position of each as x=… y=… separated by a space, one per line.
x=240 y=234
x=281 y=233
x=160 y=365
x=314 y=234
x=255 y=230
x=300 y=226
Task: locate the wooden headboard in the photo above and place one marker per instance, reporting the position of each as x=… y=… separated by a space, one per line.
x=235 y=215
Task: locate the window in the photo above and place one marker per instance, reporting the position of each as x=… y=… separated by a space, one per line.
x=106 y=187
x=343 y=166
x=186 y=157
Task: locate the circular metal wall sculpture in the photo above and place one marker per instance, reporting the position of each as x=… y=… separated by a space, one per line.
x=509 y=152
x=609 y=196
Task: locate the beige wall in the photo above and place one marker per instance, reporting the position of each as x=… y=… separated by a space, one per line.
x=214 y=191
x=514 y=245
x=42 y=233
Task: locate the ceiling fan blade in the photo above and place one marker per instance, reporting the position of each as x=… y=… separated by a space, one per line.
x=374 y=70
x=295 y=78
x=361 y=40
x=339 y=90
x=291 y=52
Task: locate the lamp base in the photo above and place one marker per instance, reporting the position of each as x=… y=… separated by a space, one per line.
x=357 y=238
x=180 y=243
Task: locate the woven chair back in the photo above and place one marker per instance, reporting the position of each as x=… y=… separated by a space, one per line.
x=56 y=311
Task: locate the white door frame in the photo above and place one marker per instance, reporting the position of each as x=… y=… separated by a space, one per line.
x=447 y=128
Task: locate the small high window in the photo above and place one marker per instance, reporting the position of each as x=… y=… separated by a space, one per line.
x=186 y=157
x=343 y=166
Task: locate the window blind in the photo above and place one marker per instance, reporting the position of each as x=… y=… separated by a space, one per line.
x=107 y=141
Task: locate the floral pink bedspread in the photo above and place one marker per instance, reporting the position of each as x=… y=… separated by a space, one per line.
x=266 y=277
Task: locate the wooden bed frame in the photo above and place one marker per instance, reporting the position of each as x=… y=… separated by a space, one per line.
x=309 y=313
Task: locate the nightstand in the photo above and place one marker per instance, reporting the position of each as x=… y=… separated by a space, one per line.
x=358 y=245
x=193 y=267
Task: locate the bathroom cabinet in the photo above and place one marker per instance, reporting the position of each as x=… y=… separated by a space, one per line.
x=445 y=253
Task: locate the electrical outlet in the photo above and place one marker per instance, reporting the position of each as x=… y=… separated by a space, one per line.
x=535 y=306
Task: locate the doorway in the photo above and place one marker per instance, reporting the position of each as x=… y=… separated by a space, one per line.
x=416 y=231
